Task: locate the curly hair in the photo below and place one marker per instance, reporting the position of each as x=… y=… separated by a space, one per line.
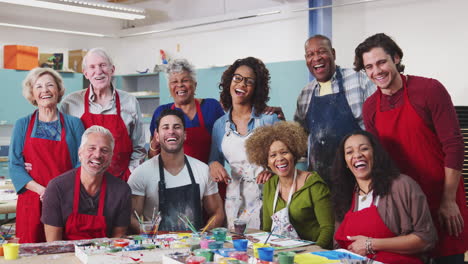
x=290 y=133
x=36 y=73
x=383 y=172
x=181 y=65
x=379 y=40
x=261 y=89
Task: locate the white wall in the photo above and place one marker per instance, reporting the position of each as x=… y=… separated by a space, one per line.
x=273 y=38
x=431 y=33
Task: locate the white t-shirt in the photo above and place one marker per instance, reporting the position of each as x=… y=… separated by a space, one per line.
x=145 y=178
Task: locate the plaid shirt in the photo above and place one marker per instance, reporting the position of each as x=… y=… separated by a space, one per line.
x=357 y=88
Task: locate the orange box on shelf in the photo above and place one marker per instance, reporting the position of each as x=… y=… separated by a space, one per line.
x=19 y=57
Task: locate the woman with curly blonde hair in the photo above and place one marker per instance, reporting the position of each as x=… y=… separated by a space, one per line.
x=295 y=203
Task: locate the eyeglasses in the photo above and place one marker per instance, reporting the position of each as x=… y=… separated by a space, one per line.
x=247 y=80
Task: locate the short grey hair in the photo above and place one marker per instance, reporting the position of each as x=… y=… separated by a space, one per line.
x=31 y=78
x=181 y=65
x=98 y=51
x=97 y=129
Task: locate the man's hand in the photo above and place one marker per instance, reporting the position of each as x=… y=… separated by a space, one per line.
x=263 y=177
x=218 y=173
x=359 y=245
x=269 y=110
x=450 y=217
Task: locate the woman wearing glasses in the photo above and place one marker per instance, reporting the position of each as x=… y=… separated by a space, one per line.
x=244 y=94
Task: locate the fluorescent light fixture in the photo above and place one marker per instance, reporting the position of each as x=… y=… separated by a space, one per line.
x=105 y=5
x=75 y=9
x=200 y=24
x=54 y=30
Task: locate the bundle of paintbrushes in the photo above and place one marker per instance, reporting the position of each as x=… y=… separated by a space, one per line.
x=149 y=228
x=188 y=223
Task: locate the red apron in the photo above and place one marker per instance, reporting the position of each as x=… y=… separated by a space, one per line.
x=198 y=143
x=42 y=153
x=84 y=226
x=418 y=153
x=123 y=145
x=367 y=222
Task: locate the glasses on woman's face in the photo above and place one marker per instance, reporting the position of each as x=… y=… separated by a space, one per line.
x=247 y=80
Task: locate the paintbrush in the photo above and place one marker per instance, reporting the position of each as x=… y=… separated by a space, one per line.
x=209 y=223
x=138 y=218
x=187 y=224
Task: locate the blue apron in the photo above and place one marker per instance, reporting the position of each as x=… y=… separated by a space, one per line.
x=329 y=118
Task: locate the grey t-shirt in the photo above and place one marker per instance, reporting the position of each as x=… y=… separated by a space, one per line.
x=57 y=203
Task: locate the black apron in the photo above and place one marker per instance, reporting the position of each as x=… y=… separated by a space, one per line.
x=183 y=201
x=329 y=118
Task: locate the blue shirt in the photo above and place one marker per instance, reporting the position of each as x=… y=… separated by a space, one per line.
x=210 y=108
x=19 y=176
x=219 y=129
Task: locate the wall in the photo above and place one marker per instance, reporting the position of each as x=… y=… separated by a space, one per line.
x=431 y=34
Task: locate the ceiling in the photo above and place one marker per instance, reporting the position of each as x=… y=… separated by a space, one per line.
x=156 y=11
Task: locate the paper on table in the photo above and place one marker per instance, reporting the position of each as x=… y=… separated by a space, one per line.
x=308 y=258
x=8 y=195
x=277 y=241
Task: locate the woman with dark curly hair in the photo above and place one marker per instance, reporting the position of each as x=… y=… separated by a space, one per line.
x=244 y=93
x=380 y=213
x=296 y=203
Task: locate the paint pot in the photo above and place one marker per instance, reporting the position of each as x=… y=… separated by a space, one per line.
x=240 y=226
x=204 y=243
x=240 y=244
x=148 y=229
x=219 y=233
x=215 y=245
x=207 y=253
x=179 y=256
x=240 y=255
x=195 y=260
x=225 y=251
x=266 y=253
x=11 y=251
x=193 y=242
x=121 y=243
x=256 y=246
x=286 y=257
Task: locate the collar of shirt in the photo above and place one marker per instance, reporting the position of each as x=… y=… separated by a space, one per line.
x=92 y=98
x=250 y=125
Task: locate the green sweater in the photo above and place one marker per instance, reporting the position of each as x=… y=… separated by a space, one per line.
x=310 y=211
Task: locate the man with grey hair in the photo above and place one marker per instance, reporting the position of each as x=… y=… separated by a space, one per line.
x=88 y=202
x=102 y=104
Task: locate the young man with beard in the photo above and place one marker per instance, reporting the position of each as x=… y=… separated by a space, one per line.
x=330 y=106
x=416 y=122
x=88 y=202
x=173 y=183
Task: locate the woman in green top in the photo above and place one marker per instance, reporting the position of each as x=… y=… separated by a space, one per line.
x=295 y=203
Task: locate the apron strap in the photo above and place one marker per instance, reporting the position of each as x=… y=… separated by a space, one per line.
x=102 y=196
x=76 y=194
x=117 y=102
x=201 y=120
x=291 y=191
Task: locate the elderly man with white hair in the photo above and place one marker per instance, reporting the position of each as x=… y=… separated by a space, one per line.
x=101 y=104
x=88 y=202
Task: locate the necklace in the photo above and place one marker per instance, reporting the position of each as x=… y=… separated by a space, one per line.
x=364 y=197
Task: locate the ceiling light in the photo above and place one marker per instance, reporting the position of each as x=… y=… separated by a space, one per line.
x=54 y=30
x=108 y=6
x=75 y=9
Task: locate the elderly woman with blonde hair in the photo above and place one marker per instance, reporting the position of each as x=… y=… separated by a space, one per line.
x=44 y=145
x=296 y=203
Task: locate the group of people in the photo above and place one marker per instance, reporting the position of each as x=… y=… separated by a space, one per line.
x=393 y=193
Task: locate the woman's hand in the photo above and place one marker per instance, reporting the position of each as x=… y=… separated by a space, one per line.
x=269 y=110
x=218 y=173
x=36 y=187
x=28 y=167
x=359 y=245
x=263 y=177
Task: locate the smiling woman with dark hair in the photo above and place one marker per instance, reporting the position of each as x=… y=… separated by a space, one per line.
x=380 y=213
x=244 y=94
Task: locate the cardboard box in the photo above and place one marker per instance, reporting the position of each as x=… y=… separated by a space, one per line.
x=19 y=57
x=51 y=60
x=75 y=58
